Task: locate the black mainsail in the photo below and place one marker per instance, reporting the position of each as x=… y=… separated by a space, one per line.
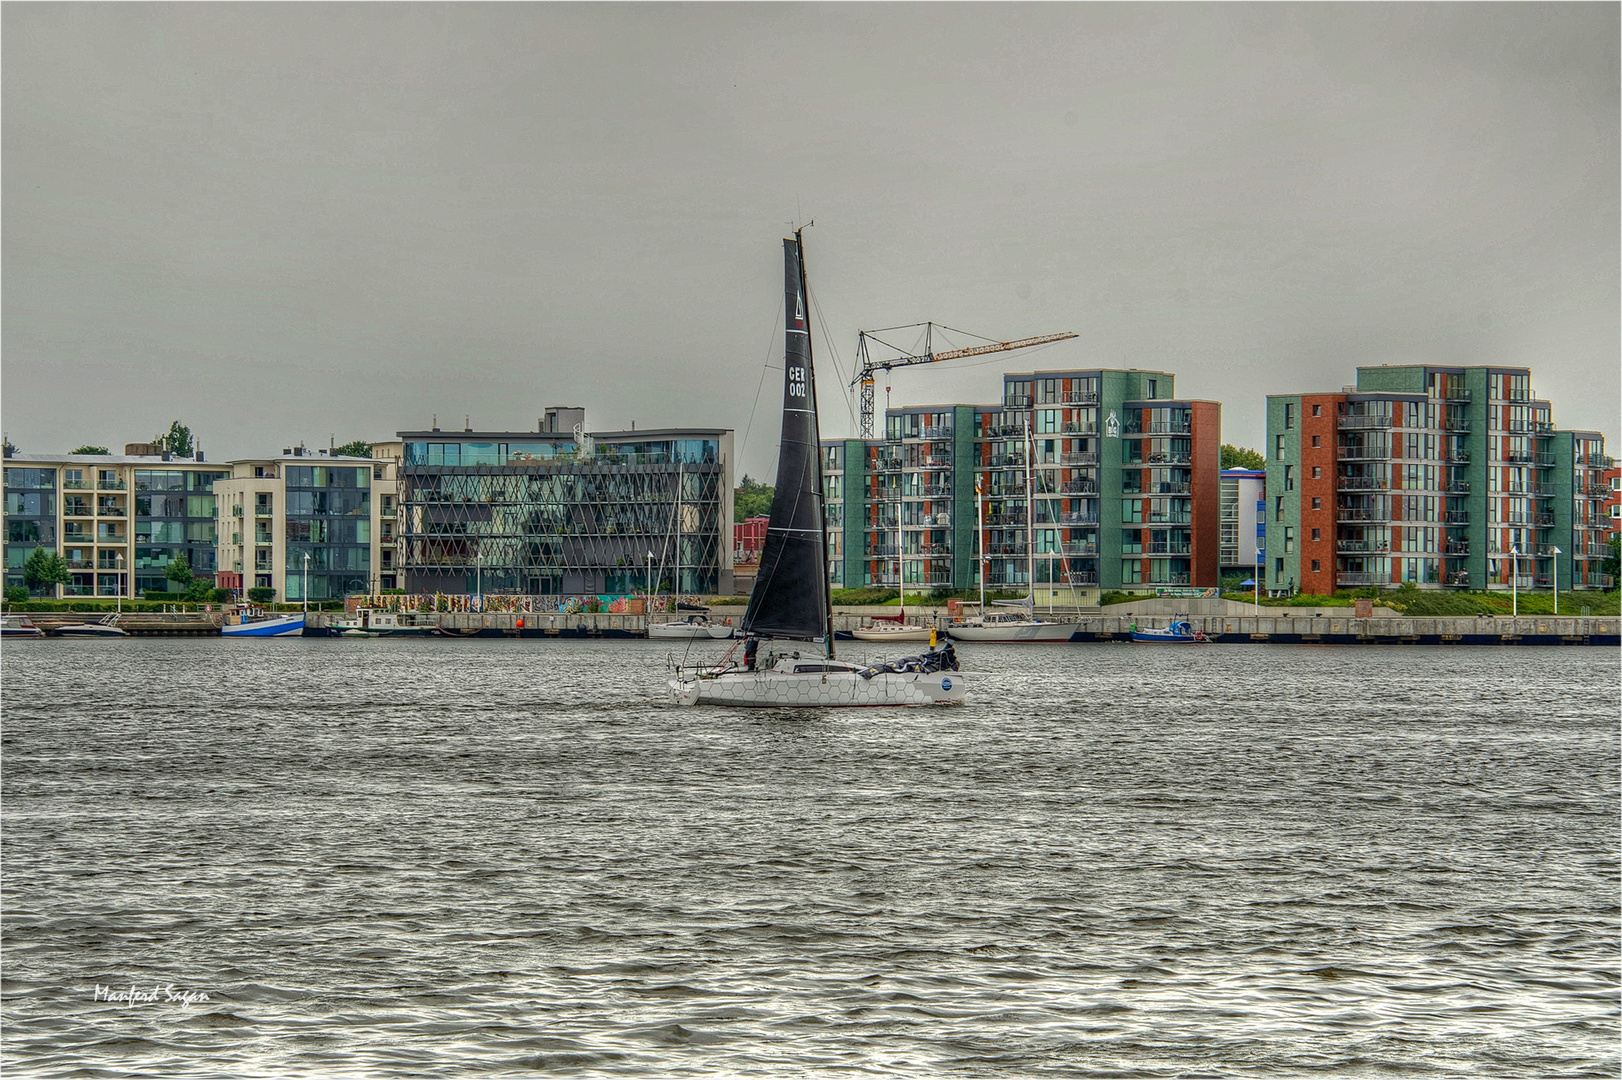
x=790 y=598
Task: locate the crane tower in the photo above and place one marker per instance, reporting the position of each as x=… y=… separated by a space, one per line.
x=867 y=365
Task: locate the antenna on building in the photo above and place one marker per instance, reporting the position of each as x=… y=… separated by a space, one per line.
x=436 y=422
x=467 y=422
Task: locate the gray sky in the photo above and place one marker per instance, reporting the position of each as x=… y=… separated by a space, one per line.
x=290 y=221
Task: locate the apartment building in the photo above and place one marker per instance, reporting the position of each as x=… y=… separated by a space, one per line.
x=307 y=524
x=1074 y=480
x=1435 y=476
x=1244 y=520
x=561 y=510
x=118 y=520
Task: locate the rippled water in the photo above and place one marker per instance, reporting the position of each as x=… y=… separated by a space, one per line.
x=454 y=858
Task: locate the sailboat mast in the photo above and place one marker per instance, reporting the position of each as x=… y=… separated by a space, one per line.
x=1030 y=515
x=980 y=540
x=816 y=452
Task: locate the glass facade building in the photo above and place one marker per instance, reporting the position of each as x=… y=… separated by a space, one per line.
x=560 y=513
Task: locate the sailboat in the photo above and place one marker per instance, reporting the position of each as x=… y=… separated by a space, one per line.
x=790 y=610
x=1014 y=625
x=894 y=627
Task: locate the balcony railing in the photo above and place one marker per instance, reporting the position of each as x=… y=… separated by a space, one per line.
x=937 y=491
x=885 y=464
x=1457 y=487
x=1167 y=579
x=1456 y=517
x=1170 y=427
x=1080 y=487
x=1078 y=459
x=1161 y=461
x=1356 y=421
x=1076 y=427
x=110 y=485
x=1358 y=577
x=1080 y=397
x=1017 y=401
x=1169 y=519
x=1363 y=454
x=1168 y=489
x=1078 y=520
x=76 y=485
x=1455 y=394
x=1361 y=547
x=1363 y=513
x=1456 y=457
x=1084 y=550
x=1168 y=549
x=1359 y=483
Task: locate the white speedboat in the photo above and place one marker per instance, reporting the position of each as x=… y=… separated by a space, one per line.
x=19 y=626
x=691 y=627
x=790 y=600
x=105 y=627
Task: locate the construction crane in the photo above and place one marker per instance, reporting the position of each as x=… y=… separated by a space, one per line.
x=866 y=365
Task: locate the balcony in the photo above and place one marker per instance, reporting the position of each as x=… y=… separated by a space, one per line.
x=1459 y=579
x=1362 y=421
x=1168 y=519
x=1166 y=579
x=1593 y=461
x=110 y=510
x=1089 y=551
x=1078 y=520
x=1168 y=489
x=1359 y=483
x=1167 y=549
x=1080 y=487
x=1456 y=457
x=1078 y=459
x=1457 y=487
x=105 y=484
x=1076 y=427
x=1359 y=577
x=1080 y=397
x=1452 y=393
x=1172 y=427
x=937 y=491
x=1362 y=453
x=1363 y=513
x=888 y=464
x=1164 y=461
x=1017 y=401
x=1361 y=547
x=935 y=433
x=1456 y=517
x=76 y=485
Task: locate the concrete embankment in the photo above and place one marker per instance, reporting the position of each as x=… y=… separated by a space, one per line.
x=137 y=623
x=1309 y=628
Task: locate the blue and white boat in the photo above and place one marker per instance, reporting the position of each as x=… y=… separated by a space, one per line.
x=266 y=626
x=1180 y=632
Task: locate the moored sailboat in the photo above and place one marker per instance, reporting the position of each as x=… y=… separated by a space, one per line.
x=790 y=602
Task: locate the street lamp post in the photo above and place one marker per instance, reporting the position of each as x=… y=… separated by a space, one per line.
x=306 y=590
x=1514 y=581
x=479 y=576
x=650 y=583
x=1555 y=580
x=119 y=558
x=1256 y=581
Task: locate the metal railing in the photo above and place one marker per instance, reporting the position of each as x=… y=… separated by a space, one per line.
x=1358 y=421
x=1078 y=458
x=1076 y=427
x=1168 y=549
x=1080 y=397
x=1359 y=483
x=1171 y=427
x=1358 y=577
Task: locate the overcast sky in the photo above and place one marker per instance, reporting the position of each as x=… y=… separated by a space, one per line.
x=301 y=221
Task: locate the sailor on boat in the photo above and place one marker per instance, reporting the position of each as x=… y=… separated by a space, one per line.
x=790 y=601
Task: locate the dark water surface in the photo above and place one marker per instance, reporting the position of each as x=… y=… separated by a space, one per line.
x=462 y=858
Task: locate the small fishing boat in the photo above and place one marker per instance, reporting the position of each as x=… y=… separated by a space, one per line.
x=265 y=626
x=19 y=626
x=790 y=603
x=1180 y=632
x=105 y=627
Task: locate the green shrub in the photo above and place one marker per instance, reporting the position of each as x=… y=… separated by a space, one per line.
x=17 y=594
x=261 y=594
x=220 y=596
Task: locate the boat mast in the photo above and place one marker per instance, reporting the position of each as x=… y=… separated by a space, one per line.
x=816 y=449
x=1030 y=516
x=980 y=540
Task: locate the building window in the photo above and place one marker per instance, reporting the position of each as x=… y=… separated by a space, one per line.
x=1317 y=473
x=1278 y=448
x=1317 y=410
x=1153 y=386
x=1317 y=440
x=1278 y=508
x=1289 y=478
x=1317 y=504
x=1316 y=536
x=1315 y=566
x=1289 y=416
x=1289 y=539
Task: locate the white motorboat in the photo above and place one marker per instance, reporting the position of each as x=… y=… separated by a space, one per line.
x=105 y=627
x=790 y=602
x=19 y=626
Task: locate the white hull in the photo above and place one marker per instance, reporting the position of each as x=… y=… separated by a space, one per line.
x=282 y=626
x=820 y=690
x=891 y=633
x=686 y=631
x=91 y=630
x=1015 y=631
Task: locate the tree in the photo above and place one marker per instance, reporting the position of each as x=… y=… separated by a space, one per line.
x=179 y=572
x=88 y=449
x=177 y=441
x=1241 y=457
x=261 y=595
x=751 y=498
x=357 y=448
x=45 y=569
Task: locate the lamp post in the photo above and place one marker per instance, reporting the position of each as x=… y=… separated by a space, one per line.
x=1514 y=581
x=650 y=583
x=1555 y=579
x=119 y=559
x=478 y=557
x=1256 y=581
x=306 y=590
